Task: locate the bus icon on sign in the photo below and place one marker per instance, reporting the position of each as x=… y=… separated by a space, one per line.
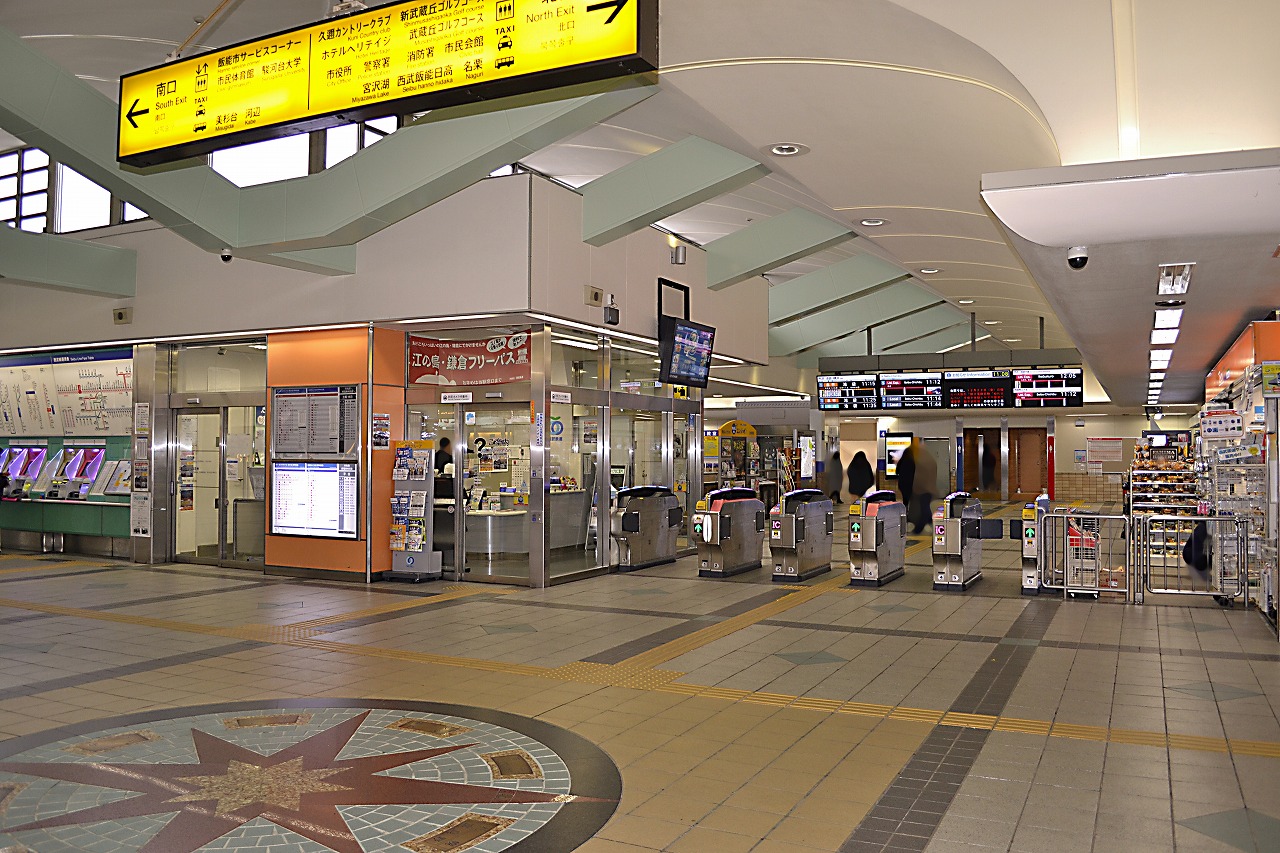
x=505 y=9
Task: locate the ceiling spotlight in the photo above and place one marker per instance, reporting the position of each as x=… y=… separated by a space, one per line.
x=1164 y=336
x=1175 y=279
x=788 y=149
x=966 y=301
x=679 y=255
x=874 y=222
x=929 y=270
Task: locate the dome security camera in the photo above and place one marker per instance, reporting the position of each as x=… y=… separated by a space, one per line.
x=226 y=256
x=1078 y=257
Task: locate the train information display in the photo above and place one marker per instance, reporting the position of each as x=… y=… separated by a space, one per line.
x=842 y=393
x=978 y=389
x=1048 y=389
x=398 y=58
x=911 y=390
x=315 y=499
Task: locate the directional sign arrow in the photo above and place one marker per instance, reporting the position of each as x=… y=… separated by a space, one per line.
x=616 y=5
x=134 y=112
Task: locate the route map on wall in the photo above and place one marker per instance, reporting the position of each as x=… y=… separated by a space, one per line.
x=89 y=393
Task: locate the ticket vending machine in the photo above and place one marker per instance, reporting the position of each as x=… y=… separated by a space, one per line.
x=645 y=525
x=800 y=534
x=729 y=533
x=957 y=543
x=877 y=540
x=24 y=469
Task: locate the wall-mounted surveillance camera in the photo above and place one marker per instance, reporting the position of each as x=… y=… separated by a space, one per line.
x=1078 y=257
x=226 y=256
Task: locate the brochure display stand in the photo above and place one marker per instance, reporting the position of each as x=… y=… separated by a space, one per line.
x=413 y=553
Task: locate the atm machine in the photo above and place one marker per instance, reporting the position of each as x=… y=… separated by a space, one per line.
x=645 y=525
x=877 y=540
x=800 y=533
x=729 y=533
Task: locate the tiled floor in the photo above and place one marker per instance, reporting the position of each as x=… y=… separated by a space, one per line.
x=741 y=716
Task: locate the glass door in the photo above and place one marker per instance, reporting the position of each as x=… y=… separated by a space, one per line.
x=495 y=491
x=573 y=456
x=198 y=502
x=220 y=486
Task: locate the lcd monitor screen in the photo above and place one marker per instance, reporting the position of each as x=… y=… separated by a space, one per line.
x=315 y=499
x=911 y=390
x=836 y=393
x=1048 y=389
x=978 y=389
x=894 y=445
x=684 y=350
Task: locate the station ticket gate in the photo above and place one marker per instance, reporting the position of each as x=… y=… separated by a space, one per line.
x=729 y=533
x=800 y=533
x=877 y=540
x=958 y=531
x=1026 y=530
x=645 y=525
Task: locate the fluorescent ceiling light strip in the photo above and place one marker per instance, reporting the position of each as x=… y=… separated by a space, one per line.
x=783 y=391
x=965 y=344
x=1168 y=318
x=570 y=342
x=172 y=339
x=1164 y=336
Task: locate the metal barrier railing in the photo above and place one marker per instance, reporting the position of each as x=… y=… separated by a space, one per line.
x=1085 y=554
x=1159 y=542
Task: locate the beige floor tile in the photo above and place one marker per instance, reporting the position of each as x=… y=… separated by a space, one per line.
x=822 y=834
x=749 y=822
x=647 y=832
x=702 y=840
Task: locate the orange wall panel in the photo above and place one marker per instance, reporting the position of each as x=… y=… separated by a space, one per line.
x=387 y=399
x=327 y=357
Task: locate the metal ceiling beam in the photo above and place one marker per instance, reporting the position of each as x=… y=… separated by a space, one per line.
x=829 y=285
x=769 y=244
x=661 y=184
x=849 y=318
x=46 y=260
x=446 y=151
x=933 y=342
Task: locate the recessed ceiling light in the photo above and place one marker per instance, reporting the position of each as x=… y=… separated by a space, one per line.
x=991 y=322
x=874 y=222
x=1013 y=340
x=717 y=395
x=788 y=149
x=1156 y=375
x=929 y=270
x=1168 y=318
x=966 y=301
x=1164 y=336
x=1171 y=303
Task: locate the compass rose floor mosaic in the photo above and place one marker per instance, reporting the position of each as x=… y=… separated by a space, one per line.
x=307 y=777
x=174 y=709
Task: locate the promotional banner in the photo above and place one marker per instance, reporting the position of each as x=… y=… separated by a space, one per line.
x=490 y=361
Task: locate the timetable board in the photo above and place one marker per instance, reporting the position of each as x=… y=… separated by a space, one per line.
x=1048 y=389
x=849 y=392
x=911 y=390
x=315 y=499
x=978 y=389
x=315 y=421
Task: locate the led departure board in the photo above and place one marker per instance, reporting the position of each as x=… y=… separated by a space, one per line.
x=395 y=59
x=911 y=390
x=978 y=389
x=837 y=393
x=1048 y=389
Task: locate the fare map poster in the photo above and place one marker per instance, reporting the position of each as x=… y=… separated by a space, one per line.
x=85 y=393
x=397 y=58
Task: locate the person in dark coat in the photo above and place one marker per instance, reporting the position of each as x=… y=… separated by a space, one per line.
x=443 y=456
x=834 y=478
x=906 y=475
x=926 y=479
x=861 y=475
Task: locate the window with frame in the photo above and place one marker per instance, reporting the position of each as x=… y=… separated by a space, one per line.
x=24 y=189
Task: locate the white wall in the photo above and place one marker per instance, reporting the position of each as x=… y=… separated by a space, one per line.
x=629 y=268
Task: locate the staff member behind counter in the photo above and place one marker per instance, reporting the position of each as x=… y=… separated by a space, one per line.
x=444 y=455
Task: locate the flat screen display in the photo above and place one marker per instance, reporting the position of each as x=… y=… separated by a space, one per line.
x=978 y=389
x=315 y=499
x=1048 y=389
x=848 y=392
x=894 y=444
x=911 y=390
x=684 y=348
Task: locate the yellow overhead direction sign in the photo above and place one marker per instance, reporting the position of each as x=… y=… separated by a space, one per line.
x=398 y=58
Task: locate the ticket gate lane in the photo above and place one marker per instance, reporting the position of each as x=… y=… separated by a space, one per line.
x=877 y=541
x=646 y=525
x=958 y=531
x=730 y=534
x=800 y=535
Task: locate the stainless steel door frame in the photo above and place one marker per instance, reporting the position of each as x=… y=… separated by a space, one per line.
x=175 y=474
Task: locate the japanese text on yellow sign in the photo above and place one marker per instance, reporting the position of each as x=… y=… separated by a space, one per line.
x=395 y=51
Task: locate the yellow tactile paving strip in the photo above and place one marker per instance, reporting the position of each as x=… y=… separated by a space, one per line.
x=640 y=672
